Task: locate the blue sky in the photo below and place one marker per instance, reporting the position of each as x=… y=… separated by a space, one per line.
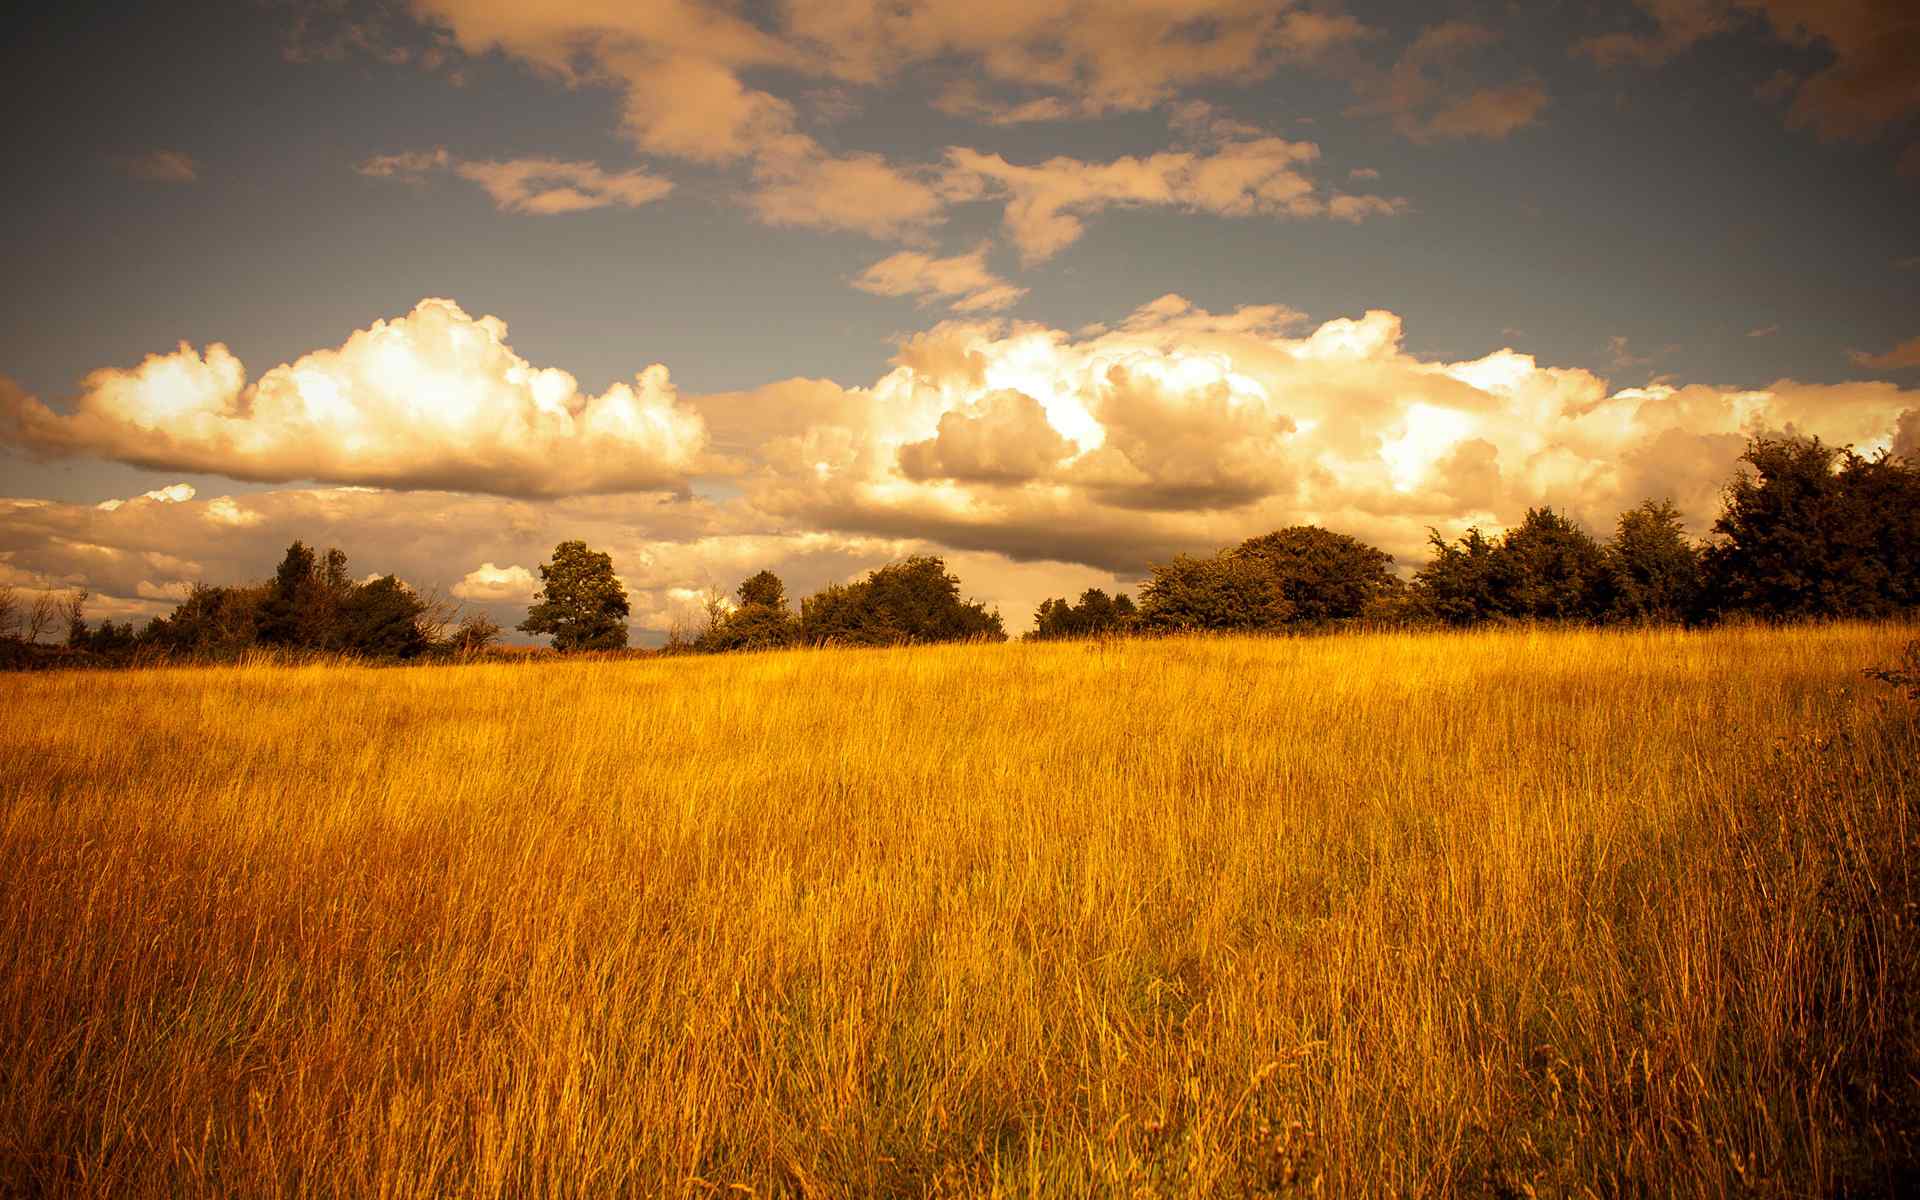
x=1712 y=198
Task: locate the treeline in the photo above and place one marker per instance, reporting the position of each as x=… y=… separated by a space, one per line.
x=310 y=605
x=1806 y=531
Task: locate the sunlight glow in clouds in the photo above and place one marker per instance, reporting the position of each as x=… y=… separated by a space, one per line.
x=434 y=399
x=1084 y=456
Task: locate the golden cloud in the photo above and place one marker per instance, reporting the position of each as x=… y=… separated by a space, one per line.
x=433 y=399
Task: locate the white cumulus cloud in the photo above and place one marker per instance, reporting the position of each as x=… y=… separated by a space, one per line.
x=433 y=399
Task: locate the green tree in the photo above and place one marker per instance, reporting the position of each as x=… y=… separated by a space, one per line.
x=1325 y=576
x=1548 y=568
x=760 y=621
x=1654 y=567
x=280 y=612
x=1096 y=615
x=1223 y=592
x=1814 y=531
x=580 y=602
x=1457 y=586
x=915 y=600
x=381 y=618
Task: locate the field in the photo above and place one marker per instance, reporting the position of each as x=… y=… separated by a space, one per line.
x=1523 y=912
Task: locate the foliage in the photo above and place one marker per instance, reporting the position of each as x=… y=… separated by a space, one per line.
x=1546 y=568
x=381 y=617
x=1325 y=576
x=1096 y=615
x=212 y=622
x=915 y=600
x=475 y=632
x=580 y=602
x=760 y=621
x=1221 y=592
x=1652 y=566
x=1457 y=585
x=1550 y=569
x=1812 y=531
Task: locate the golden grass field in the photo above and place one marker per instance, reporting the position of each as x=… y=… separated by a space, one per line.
x=1504 y=913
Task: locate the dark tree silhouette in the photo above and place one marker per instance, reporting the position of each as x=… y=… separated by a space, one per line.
x=580 y=602
x=1814 y=531
x=1220 y=592
x=1325 y=576
x=915 y=600
x=1653 y=566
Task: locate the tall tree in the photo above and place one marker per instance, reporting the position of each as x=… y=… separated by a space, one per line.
x=1219 y=592
x=580 y=602
x=760 y=620
x=1655 y=569
x=1548 y=568
x=914 y=600
x=1325 y=576
x=1457 y=585
x=1814 y=531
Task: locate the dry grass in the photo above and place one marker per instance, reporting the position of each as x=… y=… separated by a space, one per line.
x=1550 y=912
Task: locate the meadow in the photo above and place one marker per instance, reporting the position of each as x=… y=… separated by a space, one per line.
x=1520 y=912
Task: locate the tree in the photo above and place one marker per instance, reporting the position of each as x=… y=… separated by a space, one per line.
x=281 y=611
x=1457 y=586
x=915 y=600
x=1220 y=592
x=1654 y=568
x=9 y=612
x=1325 y=576
x=382 y=618
x=1814 y=531
x=212 y=622
x=40 y=617
x=74 y=610
x=475 y=632
x=760 y=620
x=1548 y=568
x=580 y=602
x=1096 y=615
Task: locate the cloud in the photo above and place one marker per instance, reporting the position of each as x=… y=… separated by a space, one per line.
x=1490 y=113
x=1906 y=354
x=683 y=65
x=799 y=184
x=1678 y=24
x=964 y=280
x=538 y=186
x=1763 y=331
x=1047 y=204
x=487 y=582
x=1363 y=173
x=175 y=493
x=159 y=166
x=1179 y=429
x=1867 y=87
x=433 y=399
x=690 y=76
x=1004 y=437
x=1045 y=461
x=1621 y=355
x=1428 y=96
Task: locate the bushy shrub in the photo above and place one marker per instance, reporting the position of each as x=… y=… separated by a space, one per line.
x=761 y=620
x=915 y=600
x=1219 y=593
x=1325 y=576
x=1813 y=531
x=1096 y=615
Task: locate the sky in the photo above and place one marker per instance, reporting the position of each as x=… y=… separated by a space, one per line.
x=1054 y=289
